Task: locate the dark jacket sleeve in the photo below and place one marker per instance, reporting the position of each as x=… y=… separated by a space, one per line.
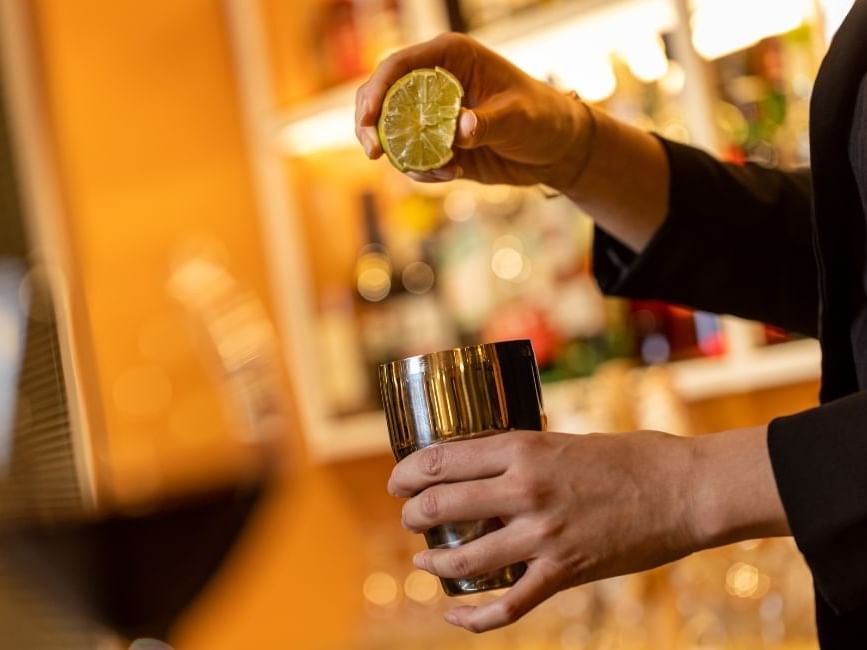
x=737 y=240
x=819 y=460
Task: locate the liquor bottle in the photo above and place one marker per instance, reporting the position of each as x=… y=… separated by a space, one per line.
x=480 y=13
x=649 y=321
x=381 y=24
x=345 y=380
x=424 y=323
x=378 y=317
x=681 y=332
x=464 y=280
x=339 y=42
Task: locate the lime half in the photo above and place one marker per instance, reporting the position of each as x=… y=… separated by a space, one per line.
x=419 y=118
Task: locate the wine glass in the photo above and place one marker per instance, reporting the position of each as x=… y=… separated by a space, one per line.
x=83 y=561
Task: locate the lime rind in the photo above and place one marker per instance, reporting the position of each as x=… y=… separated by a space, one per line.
x=418 y=121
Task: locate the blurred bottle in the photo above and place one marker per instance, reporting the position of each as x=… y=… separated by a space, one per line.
x=764 y=111
x=479 y=13
x=346 y=380
x=520 y=319
x=465 y=279
x=682 y=332
x=664 y=332
x=352 y=37
x=381 y=29
x=580 y=317
x=339 y=42
x=424 y=324
x=772 y=335
x=375 y=283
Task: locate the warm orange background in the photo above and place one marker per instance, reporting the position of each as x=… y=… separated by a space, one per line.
x=144 y=109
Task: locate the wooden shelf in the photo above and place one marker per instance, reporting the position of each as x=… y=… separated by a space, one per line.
x=327 y=122
x=696 y=379
x=767 y=367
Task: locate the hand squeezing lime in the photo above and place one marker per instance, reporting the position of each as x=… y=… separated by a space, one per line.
x=419 y=118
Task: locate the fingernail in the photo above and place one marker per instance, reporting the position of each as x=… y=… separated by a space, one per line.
x=418 y=560
x=459 y=171
x=472 y=123
x=467 y=127
x=451 y=618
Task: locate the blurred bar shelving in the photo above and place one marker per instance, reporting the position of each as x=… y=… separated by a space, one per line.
x=283 y=138
x=325 y=121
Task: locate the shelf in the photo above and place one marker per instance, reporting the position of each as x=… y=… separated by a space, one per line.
x=761 y=368
x=540 y=40
x=551 y=40
x=694 y=380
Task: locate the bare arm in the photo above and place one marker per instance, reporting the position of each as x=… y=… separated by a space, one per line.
x=624 y=186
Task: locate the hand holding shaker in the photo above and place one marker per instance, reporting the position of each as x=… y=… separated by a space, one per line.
x=458 y=394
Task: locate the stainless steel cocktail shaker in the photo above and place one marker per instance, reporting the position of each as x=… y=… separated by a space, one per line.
x=457 y=394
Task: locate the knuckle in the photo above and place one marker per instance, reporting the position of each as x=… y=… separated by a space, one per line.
x=393 y=61
x=455 y=41
x=507 y=611
x=548 y=529
x=538 y=491
x=532 y=499
x=362 y=99
x=474 y=627
x=461 y=40
x=447 y=38
x=555 y=572
x=523 y=443
x=460 y=564
x=429 y=502
x=532 y=491
x=432 y=461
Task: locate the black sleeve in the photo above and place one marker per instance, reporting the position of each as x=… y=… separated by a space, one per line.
x=820 y=464
x=737 y=240
x=819 y=460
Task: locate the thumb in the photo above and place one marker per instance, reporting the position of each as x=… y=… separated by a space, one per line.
x=480 y=126
x=467 y=134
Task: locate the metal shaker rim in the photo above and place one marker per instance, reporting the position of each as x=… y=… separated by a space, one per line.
x=461 y=392
x=454 y=358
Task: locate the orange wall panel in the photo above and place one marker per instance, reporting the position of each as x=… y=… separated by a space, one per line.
x=152 y=163
x=145 y=114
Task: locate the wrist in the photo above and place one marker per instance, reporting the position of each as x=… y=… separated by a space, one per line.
x=624 y=186
x=733 y=492
x=578 y=127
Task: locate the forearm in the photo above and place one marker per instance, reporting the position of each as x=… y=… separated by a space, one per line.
x=732 y=491
x=624 y=184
